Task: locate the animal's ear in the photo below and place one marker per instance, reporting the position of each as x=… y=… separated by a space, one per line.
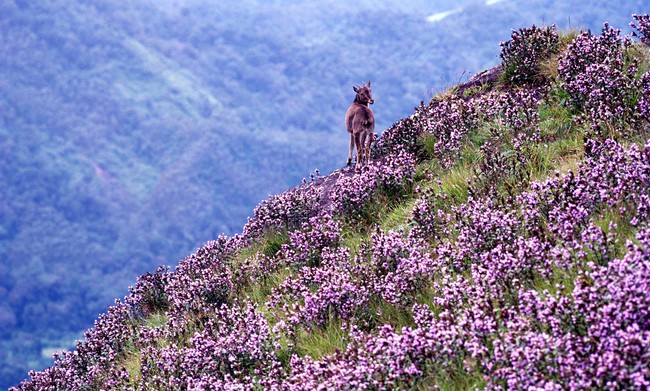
x=355 y=89
x=368 y=83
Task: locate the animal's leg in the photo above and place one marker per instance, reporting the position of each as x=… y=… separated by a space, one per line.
x=365 y=150
x=359 y=145
x=362 y=153
x=367 y=144
x=365 y=155
x=351 y=149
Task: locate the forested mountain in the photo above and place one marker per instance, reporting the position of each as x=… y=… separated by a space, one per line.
x=133 y=132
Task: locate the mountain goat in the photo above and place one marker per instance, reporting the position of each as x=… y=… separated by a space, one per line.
x=360 y=122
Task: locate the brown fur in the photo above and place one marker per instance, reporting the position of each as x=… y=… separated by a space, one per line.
x=360 y=122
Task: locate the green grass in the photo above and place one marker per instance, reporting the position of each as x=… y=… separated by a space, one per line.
x=156 y=320
x=560 y=281
x=397 y=218
x=548 y=67
x=457 y=380
x=475 y=90
x=641 y=54
x=321 y=342
x=622 y=230
x=392 y=314
x=454 y=183
x=354 y=240
x=133 y=364
x=258 y=291
x=555 y=118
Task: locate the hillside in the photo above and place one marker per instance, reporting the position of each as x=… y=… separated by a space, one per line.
x=498 y=239
x=132 y=133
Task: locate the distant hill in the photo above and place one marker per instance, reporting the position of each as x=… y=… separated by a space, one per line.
x=131 y=134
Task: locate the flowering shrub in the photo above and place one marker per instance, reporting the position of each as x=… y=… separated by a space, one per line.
x=558 y=341
x=495 y=165
x=586 y=50
x=447 y=121
x=610 y=102
x=351 y=195
x=517 y=112
x=480 y=228
x=316 y=295
x=527 y=48
x=642 y=25
x=593 y=338
x=643 y=106
x=148 y=295
x=389 y=176
x=399 y=267
x=404 y=134
x=430 y=218
x=612 y=178
x=285 y=211
x=202 y=280
x=388 y=360
x=395 y=173
x=95 y=360
x=601 y=80
x=234 y=346
x=305 y=245
x=505 y=155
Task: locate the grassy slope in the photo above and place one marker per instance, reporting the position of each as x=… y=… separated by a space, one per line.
x=561 y=151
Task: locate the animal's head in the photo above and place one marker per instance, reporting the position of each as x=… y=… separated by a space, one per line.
x=364 y=94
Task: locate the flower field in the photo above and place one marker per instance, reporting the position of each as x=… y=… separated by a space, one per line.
x=499 y=239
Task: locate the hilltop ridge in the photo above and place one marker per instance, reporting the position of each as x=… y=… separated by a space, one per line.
x=499 y=239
